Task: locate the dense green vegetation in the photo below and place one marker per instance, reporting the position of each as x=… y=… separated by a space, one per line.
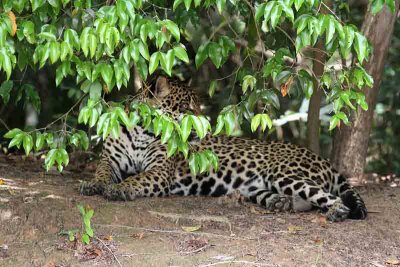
x=68 y=69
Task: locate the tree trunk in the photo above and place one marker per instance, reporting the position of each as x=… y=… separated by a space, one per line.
x=350 y=144
x=313 y=122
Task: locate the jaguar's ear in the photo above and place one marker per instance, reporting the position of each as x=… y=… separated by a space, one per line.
x=162 y=87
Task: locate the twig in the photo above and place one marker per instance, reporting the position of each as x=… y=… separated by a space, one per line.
x=4 y=124
x=374 y=211
x=238 y=262
x=112 y=253
x=196 y=250
x=175 y=232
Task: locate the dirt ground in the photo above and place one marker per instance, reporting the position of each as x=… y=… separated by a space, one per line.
x=35 y=207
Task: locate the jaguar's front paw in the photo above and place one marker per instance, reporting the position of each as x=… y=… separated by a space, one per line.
x=280 y=203
x=89 y=188
x=337 y=212
x=119 y=192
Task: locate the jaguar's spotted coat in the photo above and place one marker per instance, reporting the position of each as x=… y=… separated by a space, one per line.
x=277 y=176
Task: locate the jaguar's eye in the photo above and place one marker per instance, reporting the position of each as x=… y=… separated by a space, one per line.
x=184 y=106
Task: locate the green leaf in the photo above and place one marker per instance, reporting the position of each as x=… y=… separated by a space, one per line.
x=342 y=116
x=193 y=165
x=123 y=117
x=81 y=209
x=84 y=41
x=212 y=157
x=334 y=121
x=89 y=232
x=92 y=45
x=5 y=90
x=230 y=122
x=134 y=118
x=220 y=124
x=167 y=130
x=36 y=4
x=186 y=127
x=84 y=115
x=65 y=50
x=157 y=125
x=377 y=6
x=142 y=68
x=329 y=26
x=154 y=61
x=301 y=23
x=361 y=47
x=101 y=124
x=349 y=35
x=107 y=75
x=12 y=133
x=85 y=239
x=62 y=157
x=180 y=53
x=187 y=4
x=7 y=65
x=260 y=10
x=298 y=4
x=221 y=5
x=276 y=15
x=144 y=51
x=54 y=52
x=101 y=30
x=183 y=147
x=345 y=96
x=50 y=158
x=72 y=38
x=172 y=147
x=248 y=81
x=215 y=54
x=288 y=11
x=114 y=126
x=265 y=121
x=84 y=139
x=176 y=4
x=268 y=10
x=160 y=39
x=167 y=61
x=40 y=138
x=391 y=5
x=203 y=162
x=198 y=126
x=94 y=115
x=95 y=90
x=212 y=87
x=144 y=33
x=173 y=29
x=201 y=55
x=89 y=214
x=255 y=122
x=29 y=31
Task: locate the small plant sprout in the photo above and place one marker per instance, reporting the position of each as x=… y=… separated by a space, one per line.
x=87 y=231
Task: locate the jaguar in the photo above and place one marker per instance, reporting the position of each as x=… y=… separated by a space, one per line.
x=278 y=176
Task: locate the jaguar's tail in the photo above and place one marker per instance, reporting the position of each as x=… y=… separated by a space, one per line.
x=351 y=199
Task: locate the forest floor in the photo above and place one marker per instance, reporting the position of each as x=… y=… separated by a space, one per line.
x=35 y=207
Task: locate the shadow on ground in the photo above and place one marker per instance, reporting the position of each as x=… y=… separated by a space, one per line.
x=35 y=207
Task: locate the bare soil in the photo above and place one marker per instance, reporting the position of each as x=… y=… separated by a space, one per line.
x=35 y=207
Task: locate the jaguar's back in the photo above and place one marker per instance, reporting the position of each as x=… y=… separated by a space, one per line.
x=277 y=176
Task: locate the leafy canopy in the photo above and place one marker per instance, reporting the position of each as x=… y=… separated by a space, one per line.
x=98 y=43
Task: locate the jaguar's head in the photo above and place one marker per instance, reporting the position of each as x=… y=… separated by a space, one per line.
x=174 y=97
